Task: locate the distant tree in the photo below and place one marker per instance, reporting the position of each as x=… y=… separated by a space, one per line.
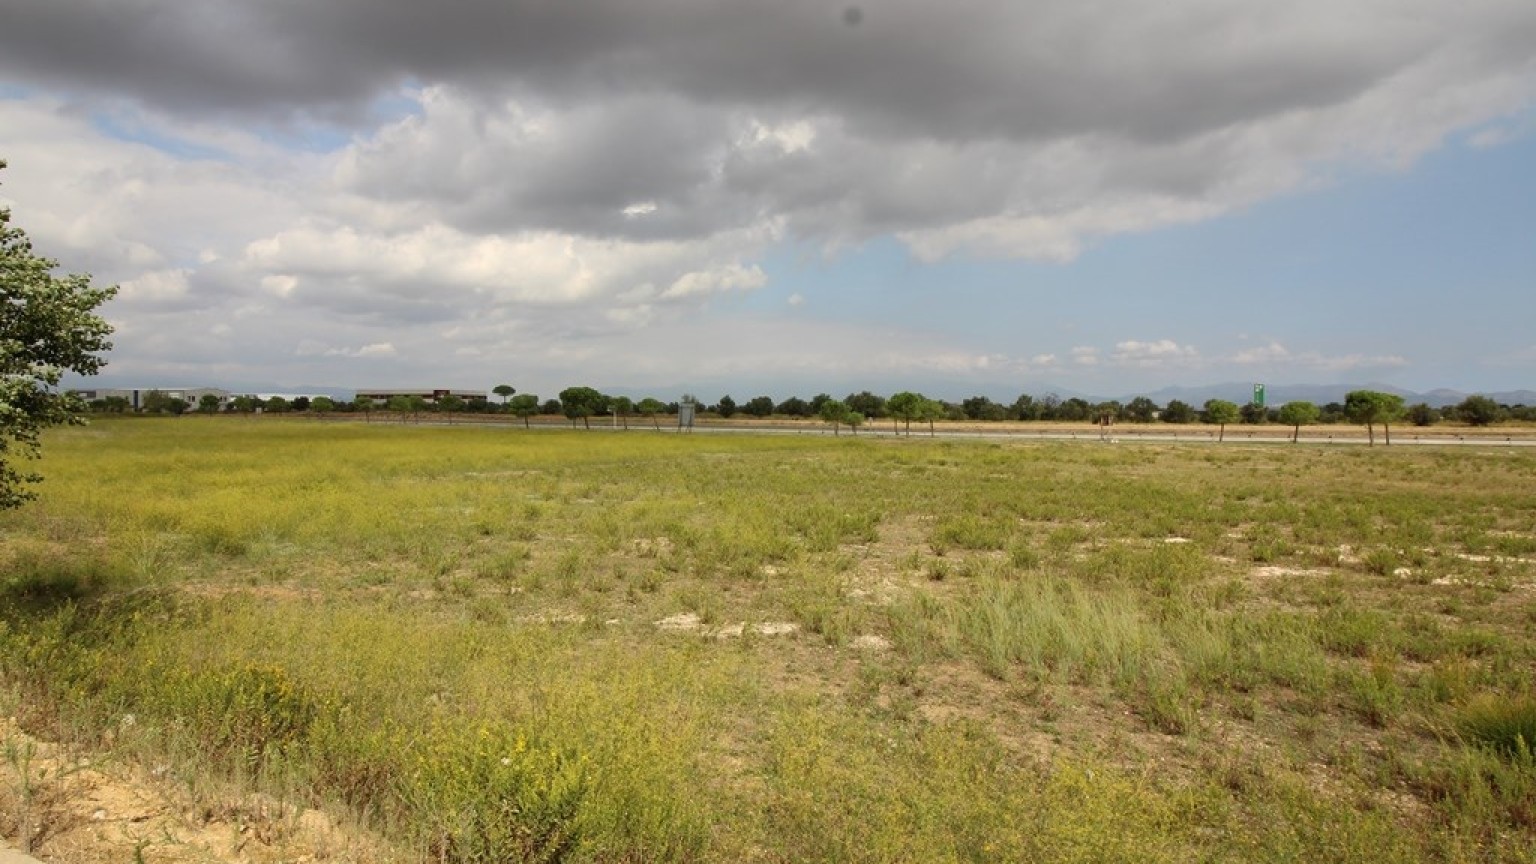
x=322 y=405
x=1369 y=407
x=207 y=403
x=155 y=402
x=759 y=406
x=817 y=401
x=904 y=407
x=300 y=403
x=1421 y=415
x=833 y=411
x=930 y=410
x=650 y=406
x=276 y=405
x=116 y=405
x=449 y=404
x=409 y=407
x=1333 y=412
x=364 y=404
x=580 y=403
x=1253 y=414
x=854 y=419
x=1220 y=412
x=505 y=391
x=524 y=405
x=1479 y=410
x=1075 y=410
x=866 y=403
x=1141 y=410
x=550 y=407
x=1178 y=412
x=623 y=407
x=727 y=407
x=1050 y=407
x=1111 y=411
x=1298 y=414
x=1024 y=408
x=245 y=403
x=978 y=407
x=794 y=406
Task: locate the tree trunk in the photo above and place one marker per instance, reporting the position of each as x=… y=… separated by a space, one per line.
x=1221 y=435
x=1370 y=430
x=930 y=429
x=655 y=422
x=1387 y=429
x=1296 y=434
x=525 y=423
x=587 y=423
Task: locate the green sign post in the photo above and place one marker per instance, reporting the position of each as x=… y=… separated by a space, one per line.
x=1258 y=395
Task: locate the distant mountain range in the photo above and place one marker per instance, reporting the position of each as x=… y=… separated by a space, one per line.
x=1321 y=394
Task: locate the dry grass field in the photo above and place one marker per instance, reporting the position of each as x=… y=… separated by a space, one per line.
x=484 y=644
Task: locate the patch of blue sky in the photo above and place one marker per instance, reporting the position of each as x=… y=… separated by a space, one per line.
x=118 y=127
x=1375 y=262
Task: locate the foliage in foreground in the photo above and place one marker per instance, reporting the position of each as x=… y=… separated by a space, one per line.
x=48 y=326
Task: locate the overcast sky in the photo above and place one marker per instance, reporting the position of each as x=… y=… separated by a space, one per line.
x=786 y=197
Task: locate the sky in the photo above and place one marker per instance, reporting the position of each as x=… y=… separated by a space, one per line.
x=999 y=196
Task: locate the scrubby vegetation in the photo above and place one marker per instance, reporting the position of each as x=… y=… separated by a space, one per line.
x=567 y=646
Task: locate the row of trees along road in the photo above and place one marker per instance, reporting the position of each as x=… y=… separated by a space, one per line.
x=1366 y=407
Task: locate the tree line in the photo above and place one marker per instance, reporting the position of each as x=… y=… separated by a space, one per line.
x=579 y=404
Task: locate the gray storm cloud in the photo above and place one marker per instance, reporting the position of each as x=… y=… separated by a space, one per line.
x=603 y=164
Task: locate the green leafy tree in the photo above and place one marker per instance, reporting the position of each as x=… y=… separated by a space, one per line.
x=1479 y=410
x=365 y=405
x=115 y=405
x=904 y=407
x=623 y=407
x=759 y=406
x=450 y=404
x=276 y=405
x=245 y=404
x=1220 y=412
x=1075 y=410
x=580 y=403
x=930 y=410
x=854 y=419
x=650 y=407
x=870 y=405
x=155 y=402
x=727 y=407
x=1421 y=414
x=207 y=403
x=794 y=406
x=1369 y=407
x=505 y=391
x=834 y=411
x=1024 y=408
x=1298 y=414
x=48 y=326
x=1178 y=412
x=1254 y=414
x=1140 y=410
x=524 y=405
x=322 y=405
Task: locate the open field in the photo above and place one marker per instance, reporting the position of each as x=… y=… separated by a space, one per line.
x=491 y=645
